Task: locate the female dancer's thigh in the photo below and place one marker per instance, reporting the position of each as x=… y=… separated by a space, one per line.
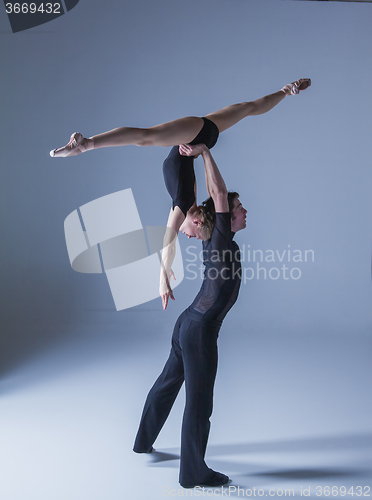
x=180 y=131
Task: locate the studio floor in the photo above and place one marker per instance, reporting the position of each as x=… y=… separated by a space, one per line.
x=291 y=415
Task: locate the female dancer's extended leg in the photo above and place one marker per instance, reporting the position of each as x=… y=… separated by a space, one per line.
x=229 y=116
x=181 y=131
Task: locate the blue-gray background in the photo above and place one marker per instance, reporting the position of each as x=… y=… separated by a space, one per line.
x=294 y=354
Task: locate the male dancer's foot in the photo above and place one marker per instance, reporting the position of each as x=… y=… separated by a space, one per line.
x=151 y=450
x=218 y=479
x=78 y=144
x=295 y=87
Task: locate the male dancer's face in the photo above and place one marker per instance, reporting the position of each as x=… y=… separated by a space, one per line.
x=238 y=216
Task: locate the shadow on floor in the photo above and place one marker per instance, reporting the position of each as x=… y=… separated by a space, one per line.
x=216 y=454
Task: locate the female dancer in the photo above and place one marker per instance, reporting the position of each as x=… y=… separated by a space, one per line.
x=178 y=170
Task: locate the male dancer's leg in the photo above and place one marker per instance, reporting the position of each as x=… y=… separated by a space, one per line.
x=199 y=349
x=161 y=397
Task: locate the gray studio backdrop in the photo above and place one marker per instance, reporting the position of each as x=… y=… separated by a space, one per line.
x=303 y=170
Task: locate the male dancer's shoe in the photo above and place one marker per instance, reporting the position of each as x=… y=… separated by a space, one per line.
x=74 y=147
x=218 y=479
x=151 y=450
x=295 y=87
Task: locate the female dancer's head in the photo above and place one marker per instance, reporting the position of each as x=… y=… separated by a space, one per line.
x=199 y=223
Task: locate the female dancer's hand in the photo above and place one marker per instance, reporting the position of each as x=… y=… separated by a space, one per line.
x=187 y=150
x=169 y=292
x=165 y=298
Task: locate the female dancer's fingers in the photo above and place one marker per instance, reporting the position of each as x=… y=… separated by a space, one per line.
x=164 y=300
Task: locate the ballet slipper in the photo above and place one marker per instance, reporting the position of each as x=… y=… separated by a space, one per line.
x=295 y=87
x=74 y=147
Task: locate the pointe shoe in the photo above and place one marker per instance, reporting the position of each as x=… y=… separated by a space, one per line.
x=73 y=147
x=295 y=87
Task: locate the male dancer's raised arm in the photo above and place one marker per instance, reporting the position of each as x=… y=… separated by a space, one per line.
x=216 y=186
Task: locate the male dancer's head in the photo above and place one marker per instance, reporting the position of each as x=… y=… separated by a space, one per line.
x=237 y=211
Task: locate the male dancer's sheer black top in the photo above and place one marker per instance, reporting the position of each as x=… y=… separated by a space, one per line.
x=222 y=274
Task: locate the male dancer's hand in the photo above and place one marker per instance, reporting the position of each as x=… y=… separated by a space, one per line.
x=195 y=151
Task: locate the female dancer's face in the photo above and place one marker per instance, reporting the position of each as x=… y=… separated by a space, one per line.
x=190 y=226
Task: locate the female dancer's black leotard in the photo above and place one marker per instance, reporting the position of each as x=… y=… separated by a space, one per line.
x=178 y=170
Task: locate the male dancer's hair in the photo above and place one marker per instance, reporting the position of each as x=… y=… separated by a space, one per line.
x=209 y=208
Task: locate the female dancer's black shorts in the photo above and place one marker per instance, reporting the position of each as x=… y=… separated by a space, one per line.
x=208 y=134
x=178 y=170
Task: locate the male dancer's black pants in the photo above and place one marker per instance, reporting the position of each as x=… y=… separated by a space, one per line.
x=193 y=359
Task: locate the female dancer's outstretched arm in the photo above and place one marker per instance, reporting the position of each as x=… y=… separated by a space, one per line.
x=175 y=220
x=180 y=131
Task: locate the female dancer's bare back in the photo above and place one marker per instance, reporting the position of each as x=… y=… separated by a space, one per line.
x=180 y=131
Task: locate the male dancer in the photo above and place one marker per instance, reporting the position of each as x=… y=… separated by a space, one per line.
x=193 y=356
